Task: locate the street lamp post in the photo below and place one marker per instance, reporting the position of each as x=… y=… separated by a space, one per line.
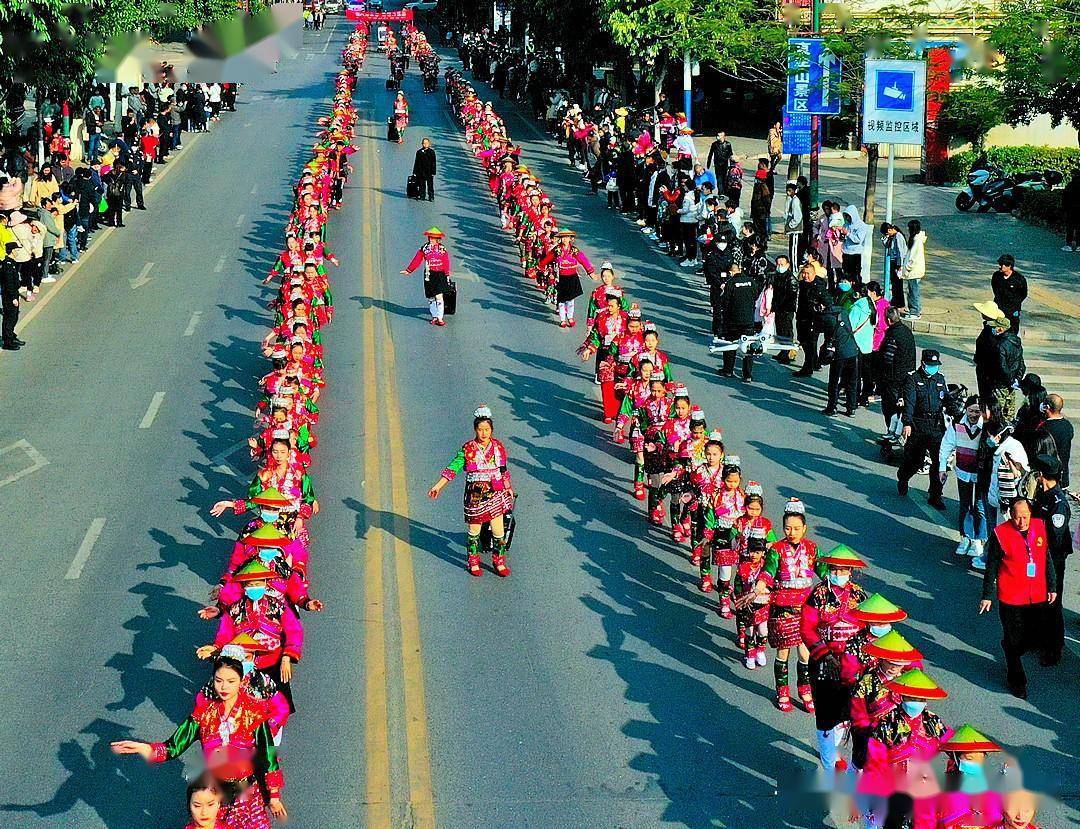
x=687 y=83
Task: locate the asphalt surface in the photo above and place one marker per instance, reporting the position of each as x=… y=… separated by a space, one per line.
x=594 y=688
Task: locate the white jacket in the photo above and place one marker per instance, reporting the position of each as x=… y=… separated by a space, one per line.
x=914 y=266
x=1017 y=454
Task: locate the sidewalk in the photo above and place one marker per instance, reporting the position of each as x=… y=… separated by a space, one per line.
x=962 y=248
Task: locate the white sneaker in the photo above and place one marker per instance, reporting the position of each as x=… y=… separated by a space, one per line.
x=1068 y=248
x=976 y=549
x=49 y=279
x=646 y=230
x=963 y=547
x=640 y=223
x=751 y=663
x=979 y=563
x=762 y=658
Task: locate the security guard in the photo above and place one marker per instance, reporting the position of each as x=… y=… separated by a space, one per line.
x=719 y=254
x=923 y=417
x=1052 y=506
x=740 y=301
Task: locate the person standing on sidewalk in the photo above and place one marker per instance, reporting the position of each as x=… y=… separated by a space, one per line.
x=1021 y=574
x=1052 y=506
x=1010 y=290
x=896 y=252
x=999 y=365
x=793 y=221
x=963 y=437
x=720 y=153
x=9 y=286
x=776 y=144
x=1061 y=430
x=923 y=416
x=813 y=302
x=854 y=233
x=914 y=269
x=424 y=167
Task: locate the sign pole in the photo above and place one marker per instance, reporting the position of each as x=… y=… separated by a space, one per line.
x=687 y=85
x=815 y=122
x=890 y=172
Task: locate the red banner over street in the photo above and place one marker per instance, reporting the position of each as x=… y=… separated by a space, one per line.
x=398 y=16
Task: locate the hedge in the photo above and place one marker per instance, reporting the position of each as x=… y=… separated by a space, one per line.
x=1066 y=160
x=1041 y=207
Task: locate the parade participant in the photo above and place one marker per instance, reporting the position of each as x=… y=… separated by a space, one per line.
x=205 y=802
x=286 y=557
x=636 y=395
x=269 y=619
x=721 y=513
x=706 y=481
x=902 y=745
x=238 y=748
x=1020 y=808
x=968 y=799
x=663 y=450
x=607 y=327
x=259 y=684
x=871 y=698
x=680 y=436
x=792 y=565
x=436 y=261
x=752 y=607
x=567 y=259
x=827 y=625
x=599 y=297
x=648 y=422
x=651 y=350
x=753 y=524
x=288 y=477
x=626 y=349
x=489 y=494
x=401 y=115
x=878 y=615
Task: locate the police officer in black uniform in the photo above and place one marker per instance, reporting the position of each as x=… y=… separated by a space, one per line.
x=923 y=416
x=740 y=299
x=1052 y=506
x=719 y=253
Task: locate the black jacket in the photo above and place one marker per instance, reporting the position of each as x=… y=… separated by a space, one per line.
x=838 y=331
x=740 y=299
x=1009 y=293
x=760 y=199
x=923 y=400
x=785 y=292
x=814 y=300
x=999 y=360
x=717 y=263
x=1052 y=506
x=425 y=163
x=897 y=355
x=719 y=155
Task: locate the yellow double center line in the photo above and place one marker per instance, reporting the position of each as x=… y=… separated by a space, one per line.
x=382 y=430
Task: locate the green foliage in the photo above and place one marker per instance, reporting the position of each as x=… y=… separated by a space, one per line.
x=1065 y=160
x=1040 y=43
x=970 y=112
x=1042 y=207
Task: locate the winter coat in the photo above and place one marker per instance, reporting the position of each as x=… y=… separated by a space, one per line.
x=914 y=266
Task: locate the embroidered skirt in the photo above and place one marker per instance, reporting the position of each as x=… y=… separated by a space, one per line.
x=483 y=502
x=784 y=626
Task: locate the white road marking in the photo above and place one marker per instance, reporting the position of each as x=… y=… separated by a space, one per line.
x=220 y=266
x=326 y=46
x=240 y=220
x=143 y=277
x=87 y=547
x=37 y=460
x=194 y=321
x=152 y=411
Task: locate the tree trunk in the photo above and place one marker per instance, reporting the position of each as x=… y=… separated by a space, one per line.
x=871 y=183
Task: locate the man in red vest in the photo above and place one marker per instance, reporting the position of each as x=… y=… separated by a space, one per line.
x=1019 y=570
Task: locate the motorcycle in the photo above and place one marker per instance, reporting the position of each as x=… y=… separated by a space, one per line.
x=989 y=188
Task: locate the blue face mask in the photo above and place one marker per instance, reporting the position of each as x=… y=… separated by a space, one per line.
x=839 y=579
x=913 y=707
x=931 y=370
x=972 y=777
x=879 y=630
x=845 y=286
x=255 y=593
x=268 y=517
x=268 y=554
x=970 y=767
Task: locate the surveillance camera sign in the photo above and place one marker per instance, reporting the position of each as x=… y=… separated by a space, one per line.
x=894 y=102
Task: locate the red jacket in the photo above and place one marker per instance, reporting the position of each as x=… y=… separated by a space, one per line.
x=1009 y=555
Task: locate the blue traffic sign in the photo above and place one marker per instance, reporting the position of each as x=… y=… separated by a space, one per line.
x=813 y=78
x=896 y=90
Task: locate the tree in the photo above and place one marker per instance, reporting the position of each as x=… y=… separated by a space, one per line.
x=1040 y=46
x=970 y=112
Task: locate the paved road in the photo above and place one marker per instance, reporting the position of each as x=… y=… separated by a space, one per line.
x=594 y=688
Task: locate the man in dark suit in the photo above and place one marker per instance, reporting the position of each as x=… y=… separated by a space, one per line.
x=424 y=169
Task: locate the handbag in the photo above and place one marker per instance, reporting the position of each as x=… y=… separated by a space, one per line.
x=450 y=298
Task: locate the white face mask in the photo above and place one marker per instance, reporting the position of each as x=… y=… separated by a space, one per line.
x=879 y=630
x=913 y=707
x=722 y=245
x=839 y=579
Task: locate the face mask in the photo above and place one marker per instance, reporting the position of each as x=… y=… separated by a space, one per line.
x=722 y=245
x=268 y=517
x=879 y=630
x=970 y=767
x=845 y=286
x=839 y=579
x=913 y=707
x=255 y=593
x=931 y=370
x=267 y=555
x=781 y=269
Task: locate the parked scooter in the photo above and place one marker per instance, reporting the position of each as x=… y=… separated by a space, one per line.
x=989 y=188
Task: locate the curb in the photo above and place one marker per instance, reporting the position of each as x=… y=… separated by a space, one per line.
x=945 y=329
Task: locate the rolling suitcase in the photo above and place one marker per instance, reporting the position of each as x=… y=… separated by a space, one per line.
x=450 y=298
x=391 y=129
x=412 y=188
